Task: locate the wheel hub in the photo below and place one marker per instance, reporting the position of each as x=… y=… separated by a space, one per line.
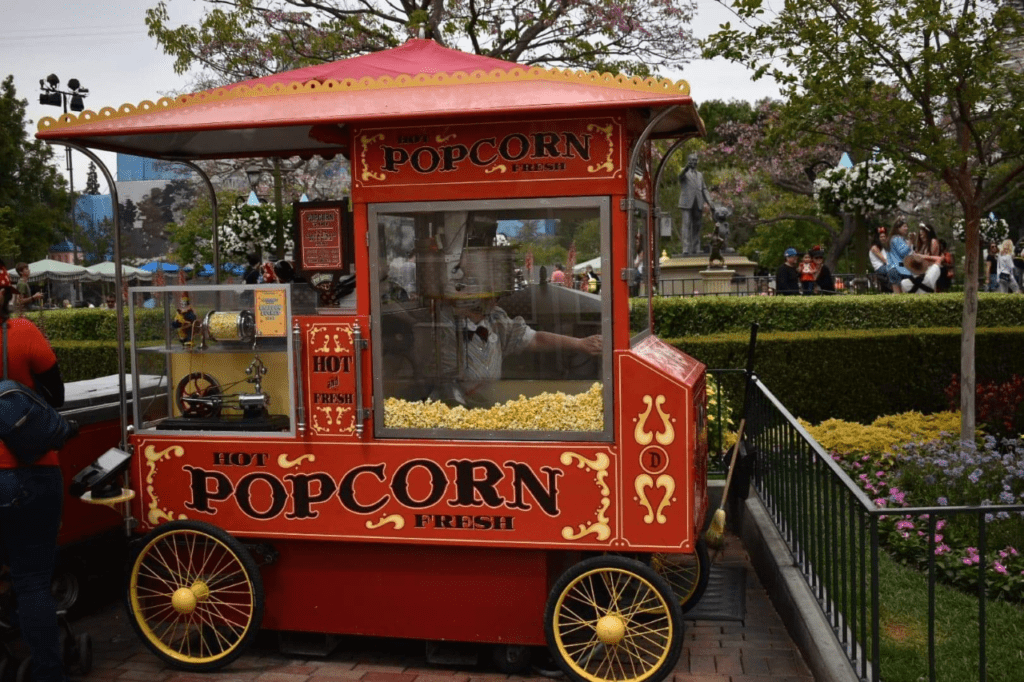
x=184 y=600
x=611 y=629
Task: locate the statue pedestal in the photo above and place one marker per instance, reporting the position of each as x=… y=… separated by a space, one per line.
x=716 y=280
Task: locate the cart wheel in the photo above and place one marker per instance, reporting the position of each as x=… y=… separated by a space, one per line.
x=82 y=664
x=196 y=385
x=611 y=618
x=512 y=659
x=687 y=574
x=24 y=673
x=195 y=595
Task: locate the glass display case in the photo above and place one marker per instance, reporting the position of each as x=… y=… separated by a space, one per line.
x=224 y=354
x=481 y=328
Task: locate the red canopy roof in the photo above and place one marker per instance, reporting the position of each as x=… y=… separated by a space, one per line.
x=414 y=57
x=302 y=111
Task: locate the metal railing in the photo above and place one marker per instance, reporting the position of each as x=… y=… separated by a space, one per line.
x=752 y=286
x=832 y=530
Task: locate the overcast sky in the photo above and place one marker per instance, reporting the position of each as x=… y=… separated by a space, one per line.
x=103 y=43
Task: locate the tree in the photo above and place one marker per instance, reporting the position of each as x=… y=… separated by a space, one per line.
x=242 y=39
x=92 y=183
x=929 y=83
x=31 y=188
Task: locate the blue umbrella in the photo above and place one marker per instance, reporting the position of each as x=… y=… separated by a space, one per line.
x=153 y=266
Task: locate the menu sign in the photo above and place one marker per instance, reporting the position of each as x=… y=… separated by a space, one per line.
x=320 y=241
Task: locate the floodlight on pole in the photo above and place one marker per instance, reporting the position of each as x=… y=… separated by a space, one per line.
x=75 y=95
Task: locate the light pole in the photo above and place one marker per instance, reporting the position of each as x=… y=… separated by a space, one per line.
x=74 y=95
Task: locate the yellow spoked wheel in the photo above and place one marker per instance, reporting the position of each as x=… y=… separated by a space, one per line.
x=195 y=596
x=613 y=619
x=686 y=574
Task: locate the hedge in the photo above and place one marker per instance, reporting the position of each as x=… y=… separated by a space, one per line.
x=685 y=317
x=95 y=324
x=859 y=375
x=81 y=360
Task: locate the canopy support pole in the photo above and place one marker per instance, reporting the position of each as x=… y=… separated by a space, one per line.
x=216 y=225
x=118 y=284
x=634 y=161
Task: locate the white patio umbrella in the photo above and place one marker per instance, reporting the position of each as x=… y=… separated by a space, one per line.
x=580 y=268
x=104 y=272
x=54 y=270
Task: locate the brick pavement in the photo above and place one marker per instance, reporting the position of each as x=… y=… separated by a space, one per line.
x=756 y=650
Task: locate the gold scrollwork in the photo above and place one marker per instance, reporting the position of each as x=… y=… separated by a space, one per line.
x=285 y=463
x=500 y=168
x=600 y=527
x=395 y=519
x=644 y=437
x=666 y=483
x=607 y=165
x=154 y=456
x=365 y=142
x=442 y=140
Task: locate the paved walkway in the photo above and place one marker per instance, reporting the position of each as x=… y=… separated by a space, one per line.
x=757 y=650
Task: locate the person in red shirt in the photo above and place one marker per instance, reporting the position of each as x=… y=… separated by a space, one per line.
x=31 y=497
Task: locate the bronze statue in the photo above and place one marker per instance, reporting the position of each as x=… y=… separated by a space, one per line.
x=693 y=193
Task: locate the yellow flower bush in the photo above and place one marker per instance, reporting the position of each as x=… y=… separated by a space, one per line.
x=851 y=439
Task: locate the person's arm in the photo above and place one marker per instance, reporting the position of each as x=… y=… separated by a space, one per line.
x=546 y=341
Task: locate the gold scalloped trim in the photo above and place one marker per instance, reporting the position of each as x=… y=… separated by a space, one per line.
x=660 y=86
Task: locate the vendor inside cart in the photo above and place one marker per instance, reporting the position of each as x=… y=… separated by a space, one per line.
x=486 y=336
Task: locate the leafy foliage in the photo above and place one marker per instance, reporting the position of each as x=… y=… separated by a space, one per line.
x=31 y=188
x=242 y=39
x=930 y=85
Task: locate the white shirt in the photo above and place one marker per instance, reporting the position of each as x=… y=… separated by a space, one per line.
x=877 y=262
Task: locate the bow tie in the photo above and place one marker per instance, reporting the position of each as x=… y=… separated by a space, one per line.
x=479 y=331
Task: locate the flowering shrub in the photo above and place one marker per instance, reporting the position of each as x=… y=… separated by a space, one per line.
x=852 y=440
x=988 y=230
x=939 y=472
x=719 y=430
x=252 y=228
x=998 y=406
x=868 y=188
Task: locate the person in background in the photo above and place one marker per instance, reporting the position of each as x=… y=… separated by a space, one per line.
x=31 y=497
x=901 y=278
x=787 y=279
x=558 y=276
x=945 y=282
x=110 y=302
x=252 y=271
x=927 y=241
x=808 y=274
x=824 y=282
x=593 y=280
x=879 y=260
x=992 y=267
x=1004 y=268
x=26 y=298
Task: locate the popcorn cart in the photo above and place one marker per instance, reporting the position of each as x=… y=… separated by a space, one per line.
x=427 y=434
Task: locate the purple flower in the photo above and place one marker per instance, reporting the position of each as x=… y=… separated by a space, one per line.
x=999 y=567
x=943 y=501
x=904 y=525
x=942 y=549
x=975 y=475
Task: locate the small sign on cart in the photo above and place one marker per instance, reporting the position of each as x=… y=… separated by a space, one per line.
x=270 y=312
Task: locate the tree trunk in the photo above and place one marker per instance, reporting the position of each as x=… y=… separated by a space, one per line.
x=841 y=241
x=970 y=319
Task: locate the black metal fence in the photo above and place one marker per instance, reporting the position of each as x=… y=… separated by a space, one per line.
x=752 y=286
x=832 y=529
